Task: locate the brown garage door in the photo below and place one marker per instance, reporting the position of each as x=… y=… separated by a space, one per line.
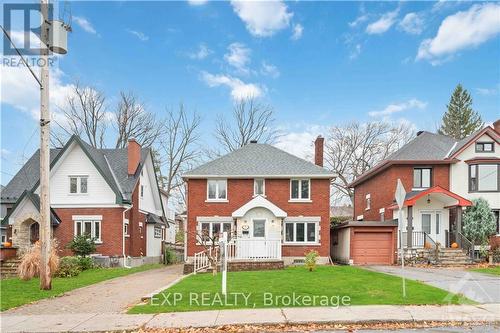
x=372 y=248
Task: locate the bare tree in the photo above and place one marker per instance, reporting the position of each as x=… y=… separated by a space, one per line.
x=251 y=121
x=178 y=147
x=84 y=115
x=210 y=246
x=354 y=148
x=133 y=121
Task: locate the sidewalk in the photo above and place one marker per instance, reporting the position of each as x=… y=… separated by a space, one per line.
x=94 y=322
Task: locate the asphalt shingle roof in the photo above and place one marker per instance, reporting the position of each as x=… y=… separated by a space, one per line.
x=109 y=161
x=256 y=159
x=426 y=146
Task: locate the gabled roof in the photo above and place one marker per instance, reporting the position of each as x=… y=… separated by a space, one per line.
x=413 y=196
x=258 y=160
x=35 y=199
x=111 y=164
x=259 y=201
x=427 y=148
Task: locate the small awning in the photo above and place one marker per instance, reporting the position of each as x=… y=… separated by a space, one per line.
x=449 y=198
x=259 y=201
x=153 y=218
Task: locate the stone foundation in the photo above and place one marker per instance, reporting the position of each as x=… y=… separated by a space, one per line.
x=418 y=256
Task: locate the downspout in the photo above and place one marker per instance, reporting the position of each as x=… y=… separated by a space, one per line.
x=123 y=236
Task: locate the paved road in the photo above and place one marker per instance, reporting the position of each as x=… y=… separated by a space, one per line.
x=482 y=288
x=111 y=296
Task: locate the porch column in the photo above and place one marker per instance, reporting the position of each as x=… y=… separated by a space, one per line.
x=458 y=229
x=409 y=228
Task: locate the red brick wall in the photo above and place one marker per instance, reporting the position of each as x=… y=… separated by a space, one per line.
x=383 y=185
x=240 y=191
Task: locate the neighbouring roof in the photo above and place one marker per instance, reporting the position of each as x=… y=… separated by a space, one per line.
x=341 y=211
x=427 y=147
x=257 y=159
x=109 y=162
x=153 y=219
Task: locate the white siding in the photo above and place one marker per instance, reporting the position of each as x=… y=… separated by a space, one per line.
x=24 y=209
x=273 y=229
x=341 y=251
x=149 y=202
x=459 y=174
x=76 y=163
x=153 y=248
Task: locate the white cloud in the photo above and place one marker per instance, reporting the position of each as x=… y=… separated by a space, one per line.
x=269 y=70
x=298 y=140
x=298 y=30
x=83 y=23
x=399 y=107
x=263 y=18
x=383 y=24
x=21 y=91
x=360 y=19
x=18 y=37
x=355 y=51
x=238 y=57
x=197 y=2
x=140 y=35
x=487 y=91
x=239 y=89
x=462 y=30
x=202 y=52
x=412 y=23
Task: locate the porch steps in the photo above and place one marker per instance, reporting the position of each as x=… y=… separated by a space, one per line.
x=8 y=268
x=449 y=257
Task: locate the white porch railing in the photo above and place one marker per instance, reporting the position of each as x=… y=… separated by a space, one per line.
x=201 y=261
x=254 y=249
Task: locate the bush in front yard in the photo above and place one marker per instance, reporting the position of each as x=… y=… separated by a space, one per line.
x=479 y=222
x=311 y=259
x=85 y=263
x=170 y=257
x=82 y=245
x=69 y=267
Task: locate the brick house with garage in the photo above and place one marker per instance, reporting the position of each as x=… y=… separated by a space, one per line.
x=441 y=176
x=110 y=195
x=274 y=205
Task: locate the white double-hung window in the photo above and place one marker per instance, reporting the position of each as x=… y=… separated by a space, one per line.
x=209 y=230
x=302 y=231
x=89 y=226
x=78 y=184
x=300 y=189
x=217 y=189
x=259 y=186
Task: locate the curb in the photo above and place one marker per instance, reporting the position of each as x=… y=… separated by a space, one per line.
x=147 y=297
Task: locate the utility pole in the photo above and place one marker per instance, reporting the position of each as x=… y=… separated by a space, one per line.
x=45 y=232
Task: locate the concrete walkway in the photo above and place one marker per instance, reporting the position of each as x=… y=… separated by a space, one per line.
x=482 y=288
x=93 y=322
x=111 y=296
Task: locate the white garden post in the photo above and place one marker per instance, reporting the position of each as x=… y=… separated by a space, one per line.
x=223 y=252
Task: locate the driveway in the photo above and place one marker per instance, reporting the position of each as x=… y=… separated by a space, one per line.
x=482 y=288
x=111 y=296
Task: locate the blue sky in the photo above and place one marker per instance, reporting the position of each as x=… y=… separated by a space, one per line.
x=316 y=63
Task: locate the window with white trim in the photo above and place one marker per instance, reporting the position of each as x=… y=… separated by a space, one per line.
x=259 y=186
x=157 y=233
x=90 y=228
x=422 y=177
x=125 y=229
x=209 y=230
x=300 y=189
x=301 y=232
x=368 y=201
x=78 y=184
x=216 y=189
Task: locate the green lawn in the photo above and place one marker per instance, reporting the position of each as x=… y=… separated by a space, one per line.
x=363 y=287
x=15 y=292
x=488 y=270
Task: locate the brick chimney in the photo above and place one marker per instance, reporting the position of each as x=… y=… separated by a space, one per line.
x=496 y=126
x=133 y=156
x=318 y=150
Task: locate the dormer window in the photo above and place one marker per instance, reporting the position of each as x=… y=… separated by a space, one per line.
x=422 y=178
x=78 y=184
x=259 y=186
x=485 y=147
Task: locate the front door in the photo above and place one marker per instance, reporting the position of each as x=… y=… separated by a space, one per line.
x=34 y=232
x=432 y=225
x=258 y=247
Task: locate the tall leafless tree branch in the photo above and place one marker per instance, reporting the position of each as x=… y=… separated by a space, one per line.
x=352 y=149
x=251 y=120
x=133 y=121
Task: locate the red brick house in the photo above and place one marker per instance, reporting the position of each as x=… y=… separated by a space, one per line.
x=109 y=194
x=441 y=177
x=274 y=205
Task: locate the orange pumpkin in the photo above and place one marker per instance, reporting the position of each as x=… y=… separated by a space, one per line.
x=454 y=246
x=7 y=244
